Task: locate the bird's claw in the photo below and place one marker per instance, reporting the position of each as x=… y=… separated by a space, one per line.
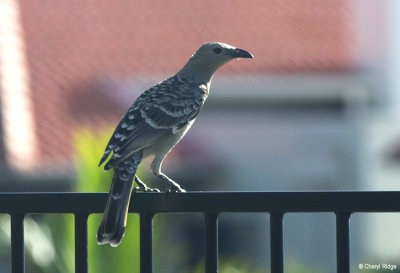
x=143 y=187
x=146 y=189
x=174 y=188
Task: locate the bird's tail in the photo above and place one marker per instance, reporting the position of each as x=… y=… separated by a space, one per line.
x=112 y=226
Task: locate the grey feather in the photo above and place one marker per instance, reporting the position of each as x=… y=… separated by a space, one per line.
x=154 y=124
x=156 y=112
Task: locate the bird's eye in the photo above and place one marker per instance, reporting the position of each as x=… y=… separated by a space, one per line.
x=217 y=50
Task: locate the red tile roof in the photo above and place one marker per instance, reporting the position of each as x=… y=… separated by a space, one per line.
x=71 y=44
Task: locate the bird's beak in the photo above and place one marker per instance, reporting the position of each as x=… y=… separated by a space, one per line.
x=241 y=53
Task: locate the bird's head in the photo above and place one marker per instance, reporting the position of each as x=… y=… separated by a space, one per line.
x=218 y=54
x=211 y=56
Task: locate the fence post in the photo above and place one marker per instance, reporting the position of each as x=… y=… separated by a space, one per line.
x=211 y=242
x=146 y=242
x=276 y=237
x=343 y=242
x=17 y=243
x=81 y=243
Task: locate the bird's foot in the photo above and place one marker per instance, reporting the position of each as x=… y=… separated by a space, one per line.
x=175 y=188
x=146 y=189
x=172 y=185
x=143 y=187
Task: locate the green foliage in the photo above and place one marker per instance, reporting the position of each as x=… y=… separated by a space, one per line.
x=124 y=258
x=294 y=266
x=238 y=265
x=227 y=265
x=89 y=149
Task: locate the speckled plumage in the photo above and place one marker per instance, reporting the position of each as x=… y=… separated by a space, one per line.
x=167 y=106
x=153 y=125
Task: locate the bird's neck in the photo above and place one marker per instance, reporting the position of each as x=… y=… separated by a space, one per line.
x=197 y=73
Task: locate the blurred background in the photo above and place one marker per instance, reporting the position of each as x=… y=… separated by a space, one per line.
x=318 y=108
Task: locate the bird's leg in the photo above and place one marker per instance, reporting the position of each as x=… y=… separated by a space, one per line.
x=143 y=187
x=156 y=168
x=173 y=186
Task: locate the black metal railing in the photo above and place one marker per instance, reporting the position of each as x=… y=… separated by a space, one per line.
x=343 y=204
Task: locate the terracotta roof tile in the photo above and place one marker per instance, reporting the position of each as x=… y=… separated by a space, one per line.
x=70 y=44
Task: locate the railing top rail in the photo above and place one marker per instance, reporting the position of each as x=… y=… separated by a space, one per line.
x=314 y=201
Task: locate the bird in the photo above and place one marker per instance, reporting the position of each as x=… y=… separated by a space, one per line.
x=152 y=126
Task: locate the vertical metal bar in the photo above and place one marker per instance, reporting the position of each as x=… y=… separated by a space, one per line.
x=146 y=242
x=211 y=242
x=17 y=243
x=81 y=243
x=342 y=242
x=276 y=235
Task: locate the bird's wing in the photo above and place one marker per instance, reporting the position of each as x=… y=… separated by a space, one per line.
x=162 y=109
